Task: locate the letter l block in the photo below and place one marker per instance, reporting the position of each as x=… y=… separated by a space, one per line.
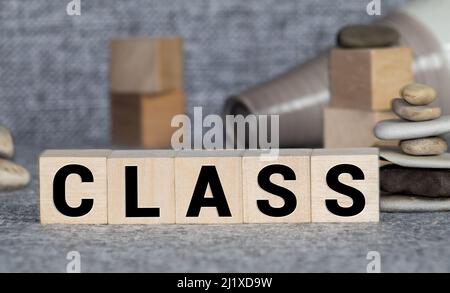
x=152 y=189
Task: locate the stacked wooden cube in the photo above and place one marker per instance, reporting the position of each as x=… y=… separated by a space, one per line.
x=146 y=86
x=363 y=83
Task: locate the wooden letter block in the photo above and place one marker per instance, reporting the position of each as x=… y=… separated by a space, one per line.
x=369 y=78
x=345 y=185
x=73 y=186
x=208 y=187
x=351 y=128
x=141 y=187
x=145 y=120
x=277 y=191
x=146 y=65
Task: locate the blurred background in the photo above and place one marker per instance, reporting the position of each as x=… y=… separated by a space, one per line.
x=54 y=67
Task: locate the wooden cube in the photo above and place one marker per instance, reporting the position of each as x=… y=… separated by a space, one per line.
x=141 y=187
x=208 y=187
x=345 y=185
x=277 y=191
x=145 y=120
x=146 y=65
x=352 y=128
x=369 y=78
x=73 y=186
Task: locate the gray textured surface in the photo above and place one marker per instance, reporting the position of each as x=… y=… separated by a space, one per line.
x=53 y=68
x=406 y=242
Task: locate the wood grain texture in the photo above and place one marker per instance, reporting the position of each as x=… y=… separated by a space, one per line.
x=322 y=161
x=299 y=162
x=368 y=78
x=353 y=128
x=146 y=65
x=155 y=185
x=145 y=120
x=228 y=165
x=50 y=162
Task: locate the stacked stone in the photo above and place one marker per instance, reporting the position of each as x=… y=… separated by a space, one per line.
x=12 y=175
x=416 y=175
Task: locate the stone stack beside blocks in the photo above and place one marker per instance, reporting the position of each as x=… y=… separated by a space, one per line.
x=12 y=175
x=416 y=174
x=366 y=72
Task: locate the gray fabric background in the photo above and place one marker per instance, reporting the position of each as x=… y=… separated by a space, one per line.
x=53 y=67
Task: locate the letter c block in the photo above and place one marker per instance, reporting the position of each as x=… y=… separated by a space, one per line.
x=345 y=185
x=73 y=187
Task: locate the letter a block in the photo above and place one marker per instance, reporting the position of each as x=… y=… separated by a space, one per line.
x=141 y=187
x=208 y=187
x=277 y=189
x=73 y=186
x=345 y=185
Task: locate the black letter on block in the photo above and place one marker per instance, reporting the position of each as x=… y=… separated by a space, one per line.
x=359 y=201
x=208 y=175
x=131 y=197
x=59 y=191
x=290 y=201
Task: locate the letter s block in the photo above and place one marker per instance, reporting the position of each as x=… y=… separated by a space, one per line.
x=277 y=190
x=208 y=187
x=345 y=185
x=73 y=186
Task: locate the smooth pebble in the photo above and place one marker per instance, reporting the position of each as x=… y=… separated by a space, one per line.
x=431 y=146
x=415 y=181
x=367 y=36
x=398 y=129
x=413 y=204
x=418 y=94
x=12 y=175
x=415 y=113
x=6 y=143
x=397 y=157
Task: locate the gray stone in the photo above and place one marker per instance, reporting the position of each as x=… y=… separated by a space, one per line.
x=430 y=146
x=413 y=204
x=367 y=36
x=397 y=157
x=418 y=94
x=415 y=113
x=6 y=143
x=415 y=181
x=397 y=129
x=12 y=175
